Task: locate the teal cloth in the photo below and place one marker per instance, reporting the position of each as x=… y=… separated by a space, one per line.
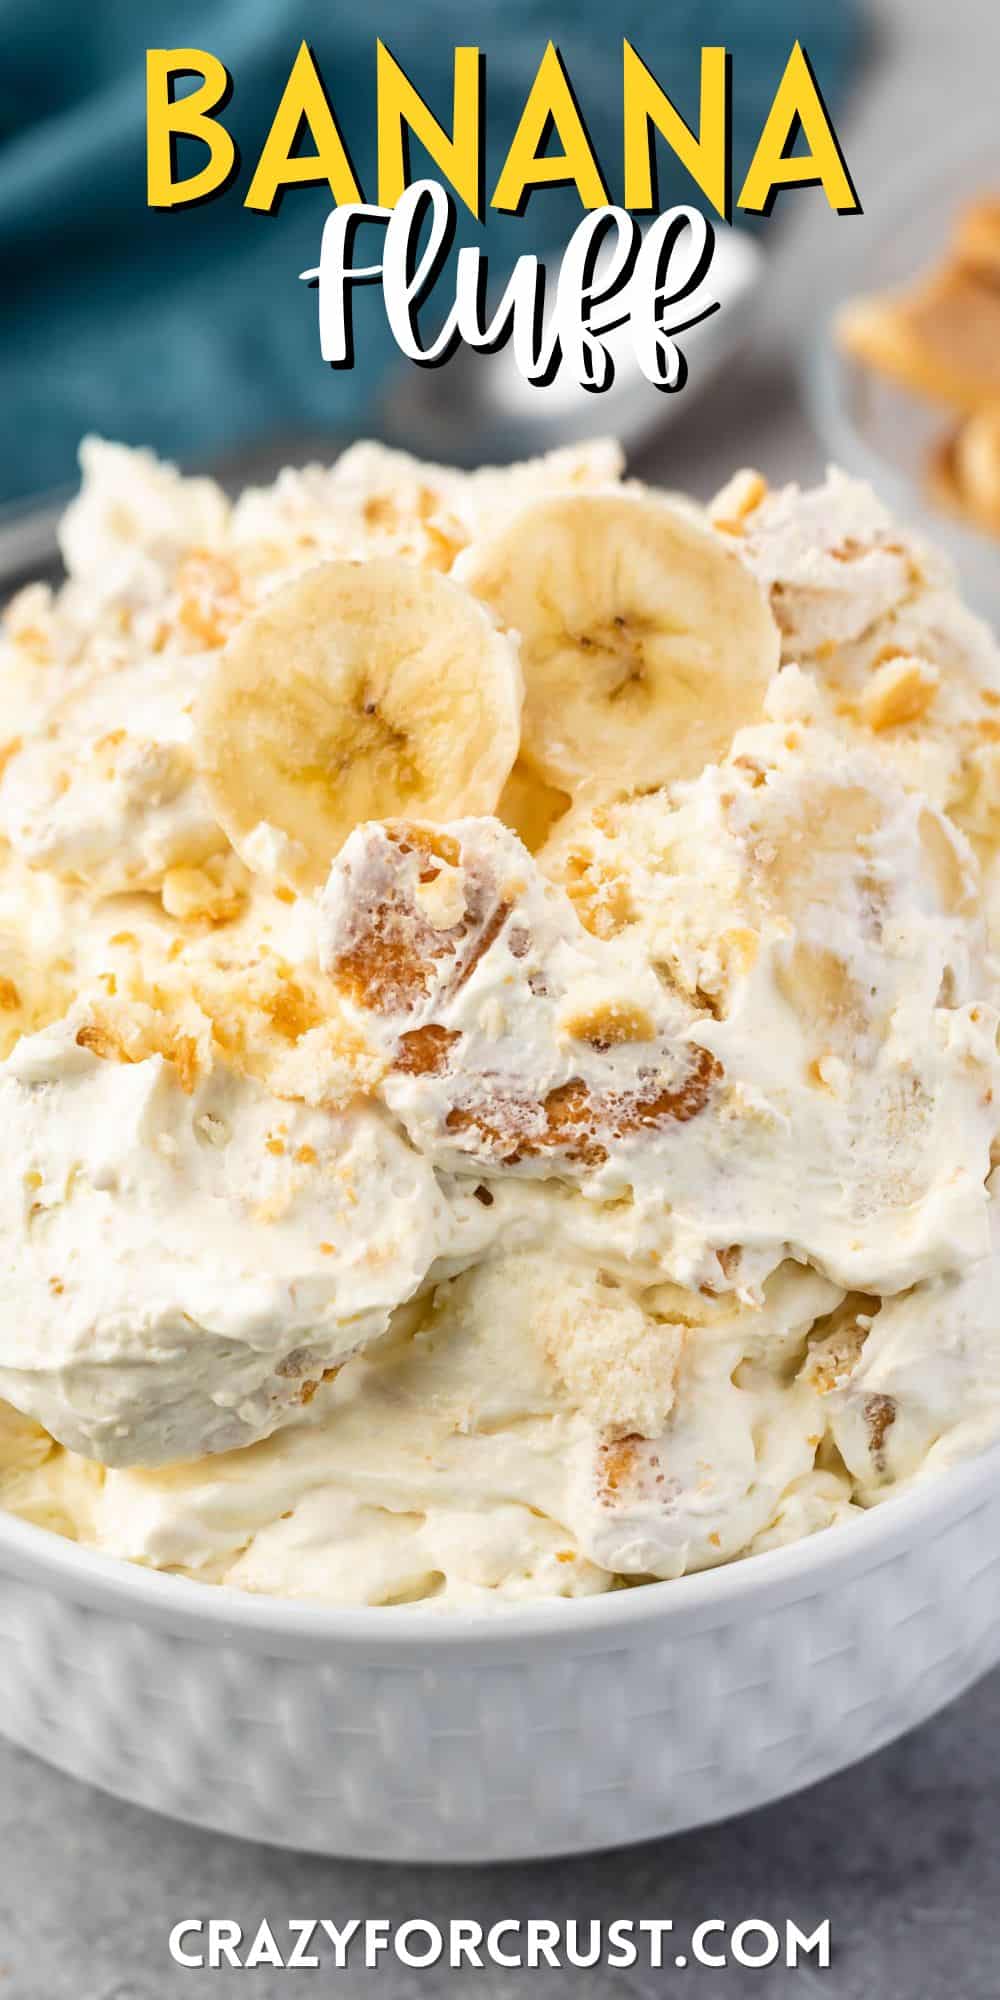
x=188 y=329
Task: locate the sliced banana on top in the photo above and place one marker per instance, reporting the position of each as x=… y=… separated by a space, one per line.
x=359 y=691
x=645 y=642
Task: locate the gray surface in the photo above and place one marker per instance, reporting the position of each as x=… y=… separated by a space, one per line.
x=902 y=1854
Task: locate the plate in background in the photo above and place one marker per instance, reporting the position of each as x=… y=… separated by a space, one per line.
x=869 y=425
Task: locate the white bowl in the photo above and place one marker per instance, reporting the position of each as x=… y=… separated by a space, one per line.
x=402 y=1734
x=408 y=1735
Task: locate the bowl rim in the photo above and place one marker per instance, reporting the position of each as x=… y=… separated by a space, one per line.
x=206 y=1612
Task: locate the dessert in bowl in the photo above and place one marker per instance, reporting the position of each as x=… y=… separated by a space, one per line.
x=500 y=1039
x=501 y=1083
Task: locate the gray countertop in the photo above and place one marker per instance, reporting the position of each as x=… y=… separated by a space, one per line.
x=902 y=1853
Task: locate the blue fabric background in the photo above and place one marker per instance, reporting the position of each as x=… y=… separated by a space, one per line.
x=188 y=329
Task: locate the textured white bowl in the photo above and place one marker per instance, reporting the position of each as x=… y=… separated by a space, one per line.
x=404 y=1735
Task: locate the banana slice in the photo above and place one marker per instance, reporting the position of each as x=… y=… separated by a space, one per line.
x=645 y=642
x=359 y=691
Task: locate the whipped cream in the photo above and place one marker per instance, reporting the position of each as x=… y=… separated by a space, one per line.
x=185 y=1223
x=476 y=1456
x=826 y=1093
x=108 y=794
x=492 y=1225
x=875 y=639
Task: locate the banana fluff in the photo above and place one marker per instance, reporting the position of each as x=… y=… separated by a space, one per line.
x=498 y=1035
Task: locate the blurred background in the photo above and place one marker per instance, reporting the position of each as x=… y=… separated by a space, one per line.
x=188 y=330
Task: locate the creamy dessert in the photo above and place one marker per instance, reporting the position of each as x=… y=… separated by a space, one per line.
x=498 y=1025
